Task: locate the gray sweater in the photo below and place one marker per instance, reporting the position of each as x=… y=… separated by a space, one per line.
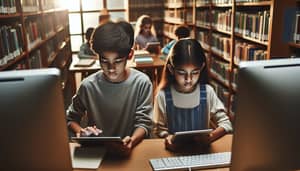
x=116 y=108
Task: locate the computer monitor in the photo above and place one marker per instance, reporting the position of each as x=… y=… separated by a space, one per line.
x=266 y=129
x=33 y=126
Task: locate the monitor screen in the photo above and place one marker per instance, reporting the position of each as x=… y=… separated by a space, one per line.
x=33 y=129
x=266 y=131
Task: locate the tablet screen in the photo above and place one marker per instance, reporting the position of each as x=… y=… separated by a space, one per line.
x=191 y=136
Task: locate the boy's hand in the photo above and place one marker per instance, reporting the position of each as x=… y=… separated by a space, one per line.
x=122 y=149
x=89 y=131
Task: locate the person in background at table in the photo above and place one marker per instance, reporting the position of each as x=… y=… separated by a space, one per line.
x=85 y=51
x=104 y=16
x=144 y=32
x=117 y=100
x=184 y=96
x=181 y=31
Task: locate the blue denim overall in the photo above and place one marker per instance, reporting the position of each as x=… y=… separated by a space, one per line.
x=186 y=119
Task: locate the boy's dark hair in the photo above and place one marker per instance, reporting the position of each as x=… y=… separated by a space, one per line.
x=182 y=32
x=111 y=37
x=88 y=33
x=127 y=27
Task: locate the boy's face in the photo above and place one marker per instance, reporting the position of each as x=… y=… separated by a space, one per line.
x=186 y=77
x=114 y=66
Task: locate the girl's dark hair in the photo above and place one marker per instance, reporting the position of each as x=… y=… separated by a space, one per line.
x=146 y=20
x=185 y=51
x=111 y=37
x=88 y=33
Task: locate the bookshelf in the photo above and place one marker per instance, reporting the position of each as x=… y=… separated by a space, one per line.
x=34 y=34
x=294 y=24
x=231 y=31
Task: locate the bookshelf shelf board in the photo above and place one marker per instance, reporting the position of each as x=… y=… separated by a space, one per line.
x=220 y=57
x=36 y=46
x=173 y=21
x=251 y=39
x=219 y=80
x=13 y=61
x=49 y=11
x=174 y=6
x=203 y=26
x=222 y=31
x=30 y=14
x=203 y=6
x=294 y=45
x=222 y=5
x=50 y=36
x=8 y=16
x=262 y=3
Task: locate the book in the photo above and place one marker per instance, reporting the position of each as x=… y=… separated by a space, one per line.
x=85 y=62
x=143 y=60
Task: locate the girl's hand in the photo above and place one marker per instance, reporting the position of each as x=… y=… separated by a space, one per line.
x=169 y=144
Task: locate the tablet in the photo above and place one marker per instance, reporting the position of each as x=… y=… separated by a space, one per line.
x=96 y=140
x=153 y=47
x=190 y=136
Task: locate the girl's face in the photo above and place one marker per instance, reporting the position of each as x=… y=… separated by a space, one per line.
x=147 y=29
x=186 y=77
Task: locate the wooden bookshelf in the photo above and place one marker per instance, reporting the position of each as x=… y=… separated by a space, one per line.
x=37 y=35
x=242 y=29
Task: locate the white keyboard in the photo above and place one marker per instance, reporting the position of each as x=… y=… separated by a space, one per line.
x=202 y=161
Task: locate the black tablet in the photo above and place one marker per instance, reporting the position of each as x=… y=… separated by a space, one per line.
x=153 y=47
x=191 y=136
x=96 y=140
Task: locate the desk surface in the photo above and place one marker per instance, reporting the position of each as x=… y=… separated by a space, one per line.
x=154 y=148
x=157 y=62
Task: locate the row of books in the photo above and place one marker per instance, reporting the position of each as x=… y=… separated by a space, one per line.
x=169 y=30
x=11 y=43
x=33 y=32
x=30 y=5
x=253 y=25
x=35 y=59
x=221 y=70
x=202 y=2
x=221 y=45
x=154 y=14
x=175 y=15
x=221 y=92
x=174 y=3
x=296 y=31
x=248 y=52
x=203 y=38
x=144 y=4
x=221 y=20
x=203 y=18
x=8 y=6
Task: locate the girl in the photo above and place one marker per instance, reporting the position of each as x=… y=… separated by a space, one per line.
x=184 y=100
x=144 y=32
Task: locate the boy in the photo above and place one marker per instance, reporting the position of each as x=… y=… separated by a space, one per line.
x=181 y=32
x=117 y=100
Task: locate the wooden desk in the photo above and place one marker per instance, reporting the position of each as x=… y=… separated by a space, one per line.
x=154 y=148
x=154 y=69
